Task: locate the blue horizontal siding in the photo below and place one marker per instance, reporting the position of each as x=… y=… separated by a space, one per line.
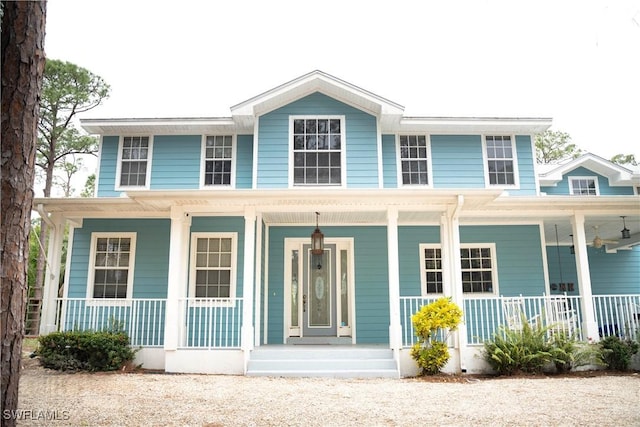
x=526 y=167
x=562 y=188
x=457 y=161
x=389 y=159
x=244 y=161
x=409 y=240
x=107 y=167
x=176 y=162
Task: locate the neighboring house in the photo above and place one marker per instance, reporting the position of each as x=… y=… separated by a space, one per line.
x=198 y=241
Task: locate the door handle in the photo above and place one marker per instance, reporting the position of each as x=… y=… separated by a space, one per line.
x=304 y=303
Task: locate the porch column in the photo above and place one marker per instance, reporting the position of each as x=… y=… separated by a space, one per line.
x=177 y=276
x=589 y=324
x=248 y=280
x=395 y=328
x=52 y=274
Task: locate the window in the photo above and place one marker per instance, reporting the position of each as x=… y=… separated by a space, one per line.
x=317 y=150
x=583 y=186
x=134 y=158
x=413 y=157
x=218 y=156
x=500 y=160
x=477 y=266
x=111 y=266
x=212 y=265
x=477 y=269
x=431 y=269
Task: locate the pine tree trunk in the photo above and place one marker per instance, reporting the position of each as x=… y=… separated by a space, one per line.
x=23 y=59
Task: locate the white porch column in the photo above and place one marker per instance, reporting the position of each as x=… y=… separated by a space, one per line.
x=248 y=281
x=395 y=328
x=589 y=324
x=52 y=274
x=177 y=276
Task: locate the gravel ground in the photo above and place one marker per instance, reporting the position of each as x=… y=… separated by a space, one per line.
x=148 y=399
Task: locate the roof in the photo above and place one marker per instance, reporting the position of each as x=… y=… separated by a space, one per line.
x=618 y=175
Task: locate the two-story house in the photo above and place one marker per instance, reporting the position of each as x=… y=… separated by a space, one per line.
x=299 y=235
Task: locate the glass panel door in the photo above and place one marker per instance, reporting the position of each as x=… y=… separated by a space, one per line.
x=319 y=292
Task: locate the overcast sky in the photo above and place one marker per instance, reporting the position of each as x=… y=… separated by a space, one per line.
x=577 y=62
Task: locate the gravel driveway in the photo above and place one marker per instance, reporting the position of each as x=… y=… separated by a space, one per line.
x=144 y=399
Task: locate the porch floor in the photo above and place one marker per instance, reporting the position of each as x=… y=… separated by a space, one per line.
x=335 y=361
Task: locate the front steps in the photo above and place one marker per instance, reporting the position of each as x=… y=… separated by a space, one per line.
x=336 y=361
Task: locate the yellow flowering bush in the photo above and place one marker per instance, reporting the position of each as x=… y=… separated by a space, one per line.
x=434 y=319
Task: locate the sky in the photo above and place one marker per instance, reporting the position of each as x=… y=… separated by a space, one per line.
x=577 y=62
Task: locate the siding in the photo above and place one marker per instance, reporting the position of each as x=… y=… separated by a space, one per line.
x=107 y=167
x=360 y=140
x=151 y=258
x=526 y=167
x=457 y=161
x=410 y=238
x=244 y=161
x=176 y=162
x=389 y=158
x=562 y=188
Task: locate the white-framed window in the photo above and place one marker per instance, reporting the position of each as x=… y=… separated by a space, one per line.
x=583 y=186
x=213 y=265
x=317 y=150
x=501 y=162
x=478 y=268
x=218 y=152
x=414 y=159
x=134 y=162
x=111 y=266
x=431 y=269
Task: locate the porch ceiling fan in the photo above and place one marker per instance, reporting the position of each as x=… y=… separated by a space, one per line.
x=598 y=241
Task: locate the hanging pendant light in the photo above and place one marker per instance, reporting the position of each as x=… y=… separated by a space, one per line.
x=317 y=239
x=572 y=249
x=626 y=233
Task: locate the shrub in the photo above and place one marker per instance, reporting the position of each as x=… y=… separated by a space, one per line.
x=85 y=350
x=431 y=321
x=617 y=353
x=568 y=353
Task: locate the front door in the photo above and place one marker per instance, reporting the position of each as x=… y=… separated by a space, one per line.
x=318 y=289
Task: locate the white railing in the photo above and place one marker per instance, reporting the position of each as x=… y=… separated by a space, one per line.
x=210 y=323
x=142 y=319
x=483 y=316
x=618 y=315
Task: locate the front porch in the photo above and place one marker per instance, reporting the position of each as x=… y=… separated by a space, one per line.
x=210 y=339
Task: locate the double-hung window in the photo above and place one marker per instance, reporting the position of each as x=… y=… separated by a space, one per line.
x=318 y=144
x=134 y=167
x=414 y=160
x=111 y=265
x=218 y=158
x=501 y=160
x=583 y=186
x=213 y=264
x=431 y=269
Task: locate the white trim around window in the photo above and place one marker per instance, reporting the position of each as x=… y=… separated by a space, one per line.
x=213 y=267
x=431 y=269
x=147 y=161
x=111 y=259
x=501 y=157
x=311 y=148
x=418 y=157
x=583 y=183
x=222 y=151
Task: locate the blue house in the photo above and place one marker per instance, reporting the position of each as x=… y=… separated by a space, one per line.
x=299 y=235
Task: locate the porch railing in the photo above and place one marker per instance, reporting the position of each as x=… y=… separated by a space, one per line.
x=210 y=323
x=142 y=319
x=618 y=315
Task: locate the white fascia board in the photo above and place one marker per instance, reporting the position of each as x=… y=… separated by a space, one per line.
x=160 y=126
x=473 y=125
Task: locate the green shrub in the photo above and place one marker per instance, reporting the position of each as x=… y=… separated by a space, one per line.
x=617 y=353
x=433 y=319
x=85 y=350
x=568 y=353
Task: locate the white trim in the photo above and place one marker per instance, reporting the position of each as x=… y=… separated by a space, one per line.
x=545 y=263
x=147 y=180
x=399 y=159
x=99 y=167
x=254 y=165
x=130 y=270
x=379 y=153
x=514 y=159
x=222 y=301
x=570 y=180
x=203 y=162
x=343 y=151
x=265 y=310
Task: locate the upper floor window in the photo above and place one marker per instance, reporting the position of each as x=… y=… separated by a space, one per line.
x=111 y=265
x=583 y=186
x=414 y=160
x=218 y=157
x=213 y=265
x=500 y=160
x=318 y=150
x=135 y=155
